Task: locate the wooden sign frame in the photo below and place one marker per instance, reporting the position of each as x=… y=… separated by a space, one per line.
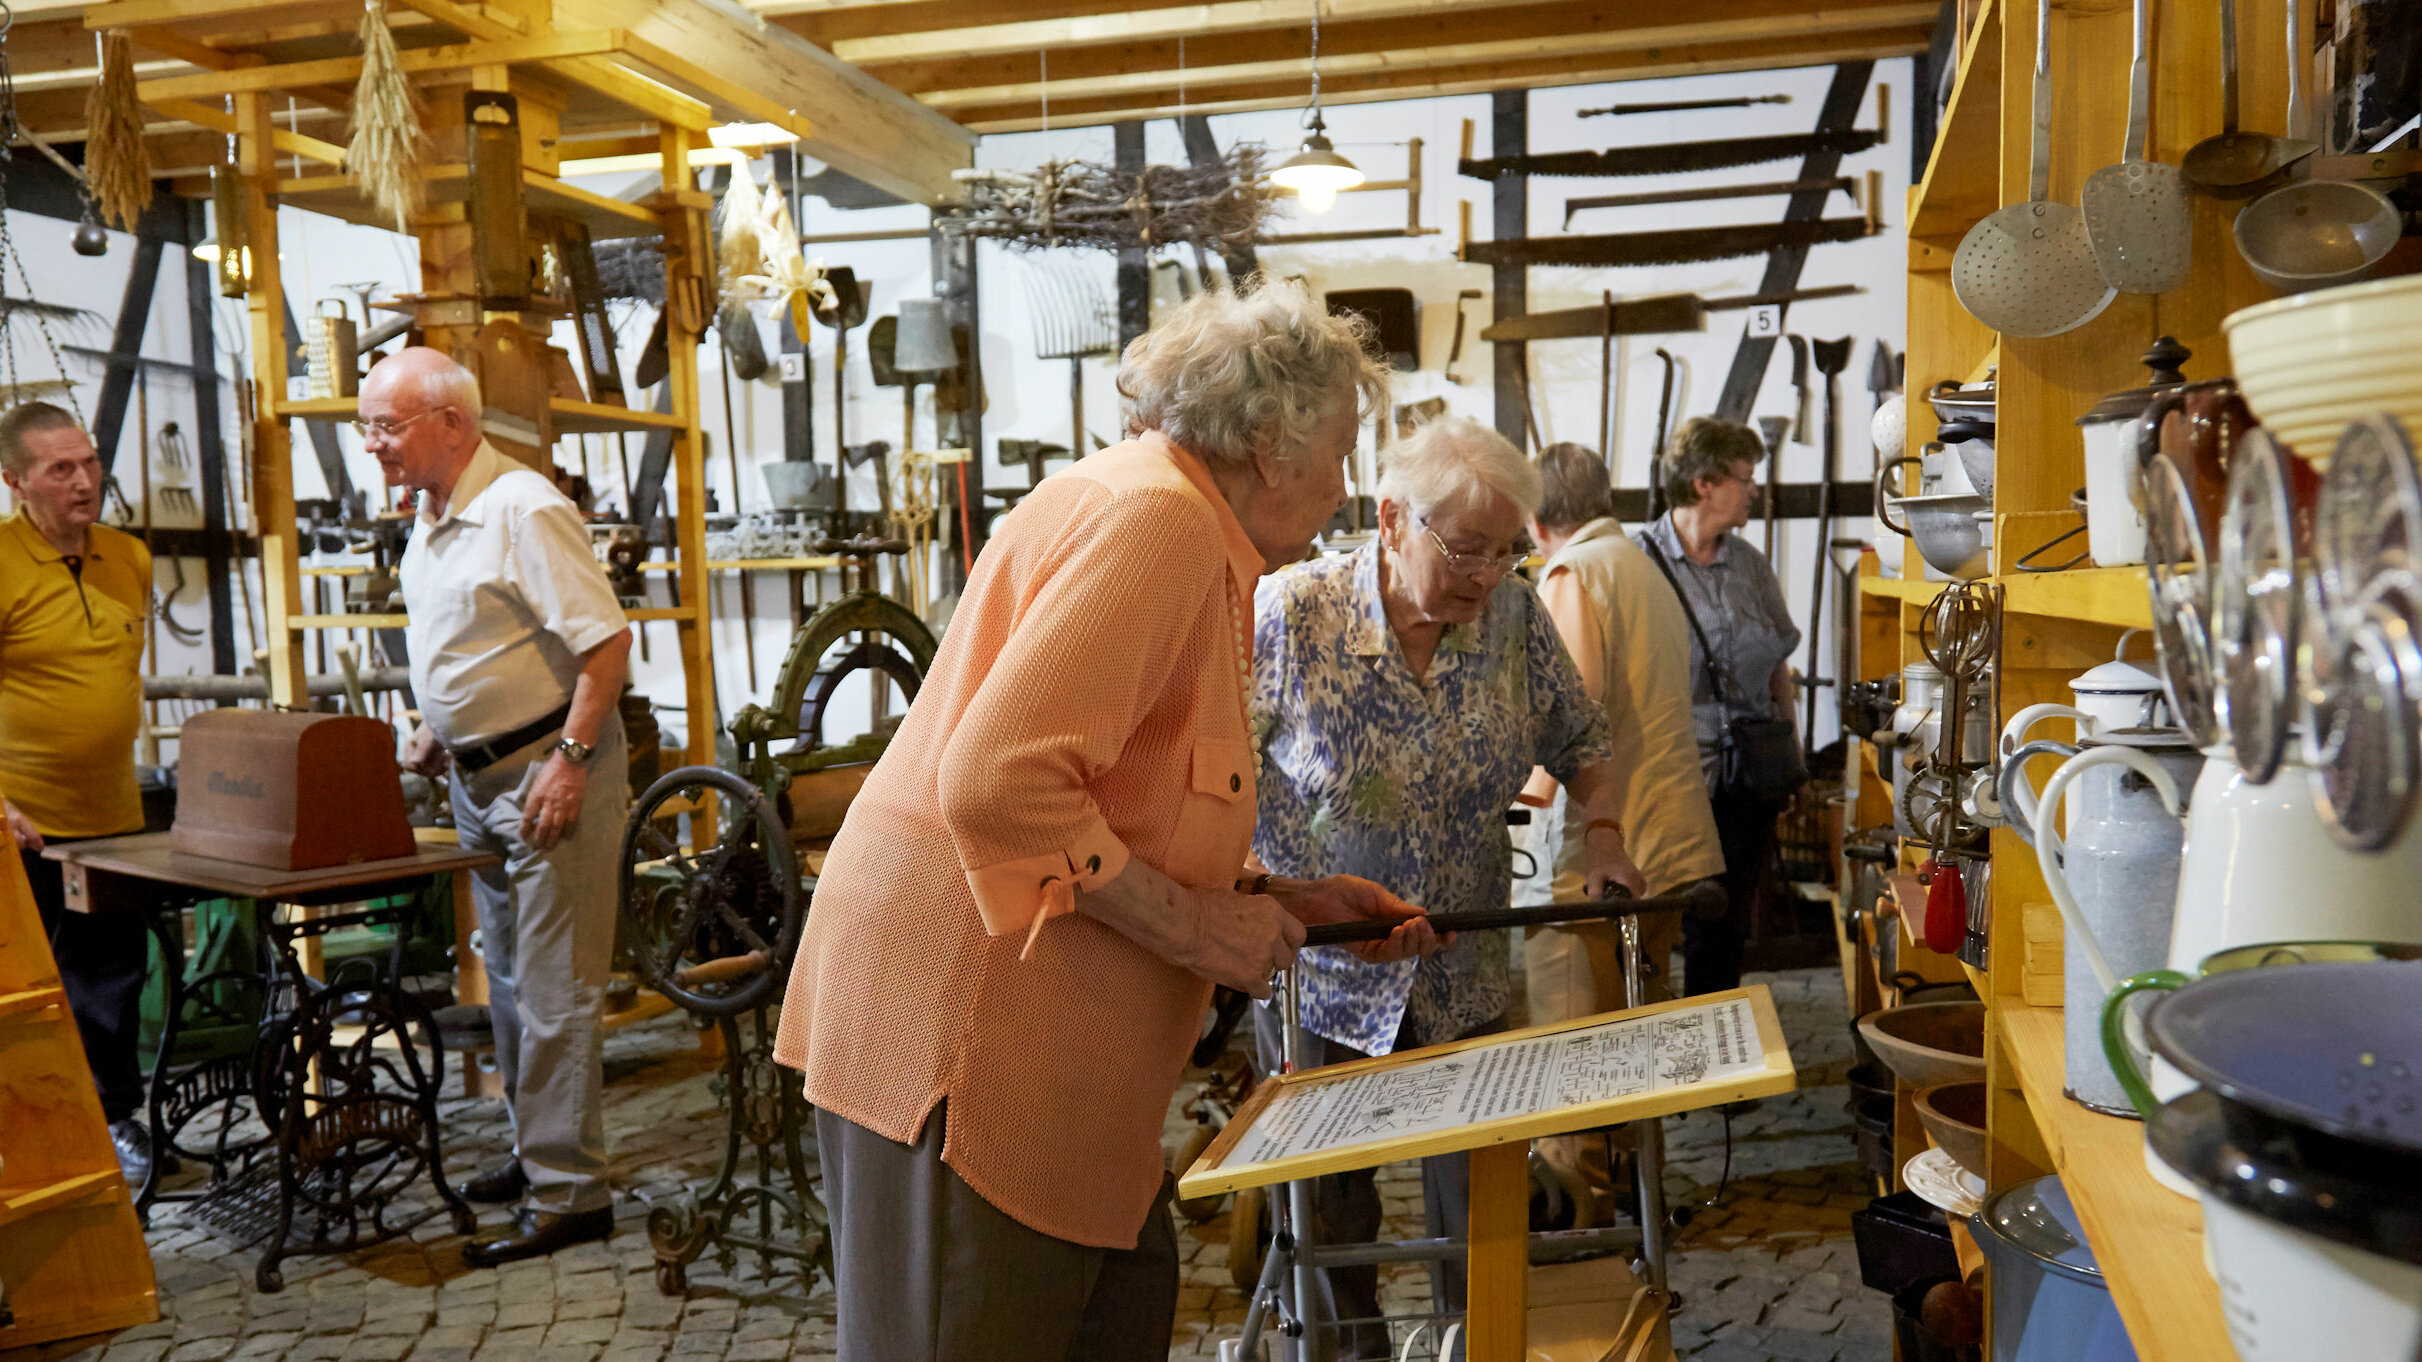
x=1212 y=1175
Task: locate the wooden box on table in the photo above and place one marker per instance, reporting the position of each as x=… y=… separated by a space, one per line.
x=289 y=791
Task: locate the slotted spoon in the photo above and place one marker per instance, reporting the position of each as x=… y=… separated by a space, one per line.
x=2136 y=211
x=2028 y=269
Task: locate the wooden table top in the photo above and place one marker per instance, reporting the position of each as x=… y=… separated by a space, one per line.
x=153 y=856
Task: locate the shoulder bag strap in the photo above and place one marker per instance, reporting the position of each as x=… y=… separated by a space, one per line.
x=1707 y=652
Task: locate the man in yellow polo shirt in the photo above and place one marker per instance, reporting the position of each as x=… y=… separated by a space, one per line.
x=72 y=600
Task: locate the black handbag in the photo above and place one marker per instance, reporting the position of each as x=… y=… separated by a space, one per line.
x=1758 y=759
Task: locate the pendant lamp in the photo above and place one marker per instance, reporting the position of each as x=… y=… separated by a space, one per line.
x=1316 y=172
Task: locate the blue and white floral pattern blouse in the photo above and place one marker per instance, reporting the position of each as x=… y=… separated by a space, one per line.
x=1367 y=771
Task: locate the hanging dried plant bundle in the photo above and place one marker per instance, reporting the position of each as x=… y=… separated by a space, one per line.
x=117 y=167
x=738 y=247
x=1082 y=203
x=385 y=154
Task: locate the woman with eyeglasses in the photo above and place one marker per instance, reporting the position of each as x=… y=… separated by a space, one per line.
x=1742 y=637
x=1401 y=695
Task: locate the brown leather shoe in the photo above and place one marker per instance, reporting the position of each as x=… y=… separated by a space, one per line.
x=537 y=1234
x=505 y=1182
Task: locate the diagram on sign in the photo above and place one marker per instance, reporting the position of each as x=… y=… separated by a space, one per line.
x=1707 y=1044
x=1404 y=1099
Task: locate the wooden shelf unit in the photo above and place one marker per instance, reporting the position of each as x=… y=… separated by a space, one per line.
x=2057 y=624
x=571 y=417
x=71 y=1250
x=562 y=80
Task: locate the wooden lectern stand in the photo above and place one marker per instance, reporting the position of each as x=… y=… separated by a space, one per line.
x=1493 y=1095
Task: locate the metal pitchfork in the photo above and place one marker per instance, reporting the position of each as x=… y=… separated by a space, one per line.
x=1072 y=321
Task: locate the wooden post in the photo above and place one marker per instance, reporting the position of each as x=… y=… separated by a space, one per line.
x=685 y=256
x=1497 y=1290
x=272 y=468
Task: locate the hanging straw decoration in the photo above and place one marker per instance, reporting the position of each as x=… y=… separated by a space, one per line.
x=738 y=249
x=384 y=158
x=117 y=167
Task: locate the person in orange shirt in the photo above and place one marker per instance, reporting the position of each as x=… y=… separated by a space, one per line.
x=1019 y=925
x=73 y=594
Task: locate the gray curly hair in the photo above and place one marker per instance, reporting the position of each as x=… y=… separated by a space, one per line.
x=1452 y=456
x=1230 y=375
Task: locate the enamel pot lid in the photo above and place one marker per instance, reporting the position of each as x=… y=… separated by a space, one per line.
x=2037 y=1219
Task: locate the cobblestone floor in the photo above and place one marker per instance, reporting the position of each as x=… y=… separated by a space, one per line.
x=1767 y=1272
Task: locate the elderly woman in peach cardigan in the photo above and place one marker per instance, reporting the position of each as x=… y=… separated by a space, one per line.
x=1019 y=926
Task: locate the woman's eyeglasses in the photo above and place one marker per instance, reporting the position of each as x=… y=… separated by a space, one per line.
x=1477 y=564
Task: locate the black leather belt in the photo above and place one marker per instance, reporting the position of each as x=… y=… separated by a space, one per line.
x=489 y=753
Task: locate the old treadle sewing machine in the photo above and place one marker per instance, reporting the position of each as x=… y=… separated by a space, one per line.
x=713 y=900
x=317 y=1131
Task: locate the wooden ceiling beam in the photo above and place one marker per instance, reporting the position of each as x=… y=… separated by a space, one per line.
x=1410 y=53
x=765 y=73
x=1461 y=81
x=1144 y=25
x=417 y=61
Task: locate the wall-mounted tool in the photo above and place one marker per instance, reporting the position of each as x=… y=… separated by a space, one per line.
x=1454 y=350
x=500 y=223
x=329 y=353
x=1665 y=416
x=1659 y=314
x=1773 y=430
x=1394 y=337
x=841 y=309
x=1072 y=321
x=1685 y=105
x=1671 y=158
x=603 y=377
x=1670 y=247
x=1802 y=411
x=1765 y=189
x=1830 y=358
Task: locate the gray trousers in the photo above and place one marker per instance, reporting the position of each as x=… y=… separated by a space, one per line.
x=1347 y=1208
x=546 y=926
x=926 y=1270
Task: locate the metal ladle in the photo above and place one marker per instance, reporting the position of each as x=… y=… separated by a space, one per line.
x=2028 y=269
x=2237 y=165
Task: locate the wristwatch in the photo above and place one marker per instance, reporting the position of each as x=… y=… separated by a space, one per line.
x=577 y=753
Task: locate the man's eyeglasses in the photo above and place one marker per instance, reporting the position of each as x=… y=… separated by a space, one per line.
x=1476 y=564
x=386 y=428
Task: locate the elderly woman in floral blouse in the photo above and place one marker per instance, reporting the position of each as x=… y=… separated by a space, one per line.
x=1401 y=694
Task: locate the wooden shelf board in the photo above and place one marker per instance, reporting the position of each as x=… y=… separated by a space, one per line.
x=1912 y=593
x=2148 y=1239
x=1961 y=183
x=2114 y=596
x=571 y=418
x=661 y=612
x=31 y=1000
x=16 y=1203
x=335 y=195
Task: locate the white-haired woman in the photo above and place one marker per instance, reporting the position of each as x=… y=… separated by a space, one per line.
x=1020 y=923
x=1402 y=694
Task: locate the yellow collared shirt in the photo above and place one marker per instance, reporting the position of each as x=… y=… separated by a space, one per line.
x=71 y=682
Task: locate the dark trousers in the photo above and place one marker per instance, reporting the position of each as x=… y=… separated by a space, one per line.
x=1711 y=947
x=101 y=965
x=1348 y=1211
x=927 y=1270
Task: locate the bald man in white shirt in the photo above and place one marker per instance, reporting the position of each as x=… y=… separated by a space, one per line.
x=518 y=650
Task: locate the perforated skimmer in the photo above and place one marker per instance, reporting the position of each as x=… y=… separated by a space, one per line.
x=2028 y=269
x=2136 y=211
